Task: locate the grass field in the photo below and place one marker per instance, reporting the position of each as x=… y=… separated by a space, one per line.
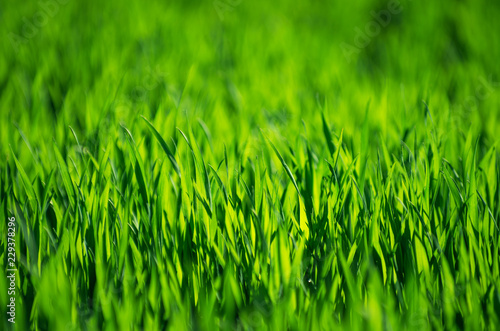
x=247 y=165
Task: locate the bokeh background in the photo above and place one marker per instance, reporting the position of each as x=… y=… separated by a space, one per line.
x=250 y=63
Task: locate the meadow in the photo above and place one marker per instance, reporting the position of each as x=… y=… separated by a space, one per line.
x=250 y=165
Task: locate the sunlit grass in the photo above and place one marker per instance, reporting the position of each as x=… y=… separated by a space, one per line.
x=172 y=168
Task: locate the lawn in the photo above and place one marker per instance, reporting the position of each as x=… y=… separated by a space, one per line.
x=248 y=165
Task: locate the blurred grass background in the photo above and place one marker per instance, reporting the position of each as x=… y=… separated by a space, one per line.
x=254 y=64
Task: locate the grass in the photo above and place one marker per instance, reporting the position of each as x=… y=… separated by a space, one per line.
x=206 y=165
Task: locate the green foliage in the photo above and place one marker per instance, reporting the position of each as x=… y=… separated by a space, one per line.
x=200 y=165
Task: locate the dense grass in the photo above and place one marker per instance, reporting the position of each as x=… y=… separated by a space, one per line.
x=224 y=165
